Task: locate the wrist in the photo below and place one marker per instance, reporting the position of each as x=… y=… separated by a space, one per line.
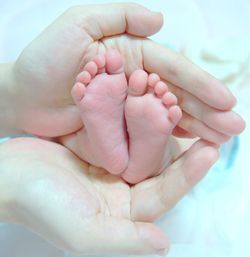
x=8 y=102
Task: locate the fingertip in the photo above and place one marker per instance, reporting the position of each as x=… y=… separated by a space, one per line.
x=200 y=158
x=241 y=124
x=235 y=124
x=153 y=236
x=143 y=22
x=160 y=18
x=228 y=101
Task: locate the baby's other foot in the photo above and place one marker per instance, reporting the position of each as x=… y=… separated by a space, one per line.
x=151 y=114
x=100 y=93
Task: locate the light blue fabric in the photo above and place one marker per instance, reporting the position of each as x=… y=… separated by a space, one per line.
x=4 y=139
x=229 y=153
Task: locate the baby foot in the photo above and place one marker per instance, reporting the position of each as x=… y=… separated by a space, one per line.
x=100 y=94
x=151 y=114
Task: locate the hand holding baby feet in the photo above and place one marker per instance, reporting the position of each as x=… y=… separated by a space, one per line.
x=100 y=92
x=151 y=114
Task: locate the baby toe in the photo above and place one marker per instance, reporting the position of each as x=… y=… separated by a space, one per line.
x=169 y=99
x=91 y=68
x=84 y=77
x=160 y=88
x=77 y=92
x=174 y=114
x=153 y=78
x=138 y=83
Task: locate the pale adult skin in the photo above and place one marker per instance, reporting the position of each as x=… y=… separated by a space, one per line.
x=85 y=210
x=38 y=84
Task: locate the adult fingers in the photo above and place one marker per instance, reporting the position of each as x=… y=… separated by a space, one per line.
x=225 y=122
x=181 y=72
x=198 y=128
x=62 y=210
x=112 y=19
x=164 y=191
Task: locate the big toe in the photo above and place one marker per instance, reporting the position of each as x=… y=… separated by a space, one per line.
x=114 y=63
x=138 y=83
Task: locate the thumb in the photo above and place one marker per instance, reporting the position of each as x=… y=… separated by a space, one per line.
x=164 y=191
x=112 y=19
x=108 y=235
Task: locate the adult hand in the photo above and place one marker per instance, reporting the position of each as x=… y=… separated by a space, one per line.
x=85 y=210
x=45 y=72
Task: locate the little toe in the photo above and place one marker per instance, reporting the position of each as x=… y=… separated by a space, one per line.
x=77 y=92
x=114 y=63
x=153 y=78
x=174 y=114
x=169 y=99
x=91 y=68
x=84 y=77
x=138 y=83
x=160 y=88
